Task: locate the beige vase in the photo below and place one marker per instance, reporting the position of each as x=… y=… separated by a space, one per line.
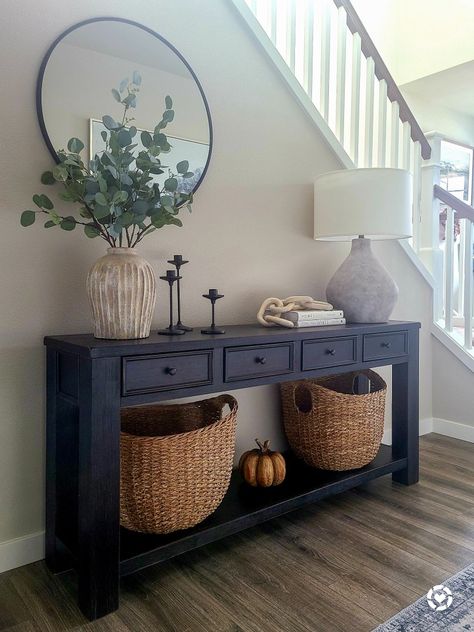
x=122 y=292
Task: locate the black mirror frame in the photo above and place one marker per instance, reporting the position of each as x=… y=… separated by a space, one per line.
x=44 y=63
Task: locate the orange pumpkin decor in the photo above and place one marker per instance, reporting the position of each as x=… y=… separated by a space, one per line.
x=261 y=467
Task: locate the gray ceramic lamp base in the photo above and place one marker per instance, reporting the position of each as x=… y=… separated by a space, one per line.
x=362 y=287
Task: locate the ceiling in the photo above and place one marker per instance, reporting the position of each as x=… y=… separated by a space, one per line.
x=452 y=88
x=417 y=38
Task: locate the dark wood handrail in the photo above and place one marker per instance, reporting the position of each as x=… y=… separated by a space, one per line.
x=463 y=210
x=381 y=71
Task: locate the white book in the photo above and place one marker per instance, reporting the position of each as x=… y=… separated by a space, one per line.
x=313 y=314
x=320 y=323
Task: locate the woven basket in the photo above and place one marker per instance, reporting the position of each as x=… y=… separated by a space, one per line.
x=176 y=462
x=330 y=427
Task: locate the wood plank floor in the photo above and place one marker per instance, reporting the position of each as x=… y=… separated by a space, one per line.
x=347 y=564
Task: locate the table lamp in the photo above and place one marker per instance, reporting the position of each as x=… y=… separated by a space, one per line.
x=361 y=205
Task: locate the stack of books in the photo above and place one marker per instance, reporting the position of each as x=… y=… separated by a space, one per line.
x=315 y=318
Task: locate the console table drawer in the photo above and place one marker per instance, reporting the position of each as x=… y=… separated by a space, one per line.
x=381 y=346
x=243 y=363
x=318 y=354
x=166 y=371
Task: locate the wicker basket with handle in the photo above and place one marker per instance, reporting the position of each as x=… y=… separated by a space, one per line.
x=329 y=426
x=176 y=463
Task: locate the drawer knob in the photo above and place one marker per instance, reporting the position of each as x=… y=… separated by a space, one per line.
x=170 y=370
x=387 y=345
x=331 y=352
x=260 y=360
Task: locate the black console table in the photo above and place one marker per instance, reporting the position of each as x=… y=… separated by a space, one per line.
x=90 y=380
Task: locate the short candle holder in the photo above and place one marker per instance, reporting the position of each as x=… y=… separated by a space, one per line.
x=171 y=330
x=213 y=295
x=178 y=261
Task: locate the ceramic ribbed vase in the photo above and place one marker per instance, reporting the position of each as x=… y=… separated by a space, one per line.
x=122 y=292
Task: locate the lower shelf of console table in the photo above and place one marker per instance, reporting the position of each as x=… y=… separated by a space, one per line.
x=245 y=507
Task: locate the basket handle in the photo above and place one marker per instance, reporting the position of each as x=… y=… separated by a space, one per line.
x=364 y=373
x=231 y=402
x=303 y=388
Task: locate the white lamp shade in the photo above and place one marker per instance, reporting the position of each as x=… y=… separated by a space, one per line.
x=375 y=203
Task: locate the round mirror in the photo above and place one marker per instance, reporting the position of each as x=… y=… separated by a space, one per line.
x=124 y=71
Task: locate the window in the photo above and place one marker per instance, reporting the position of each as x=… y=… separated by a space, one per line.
x=457 y=169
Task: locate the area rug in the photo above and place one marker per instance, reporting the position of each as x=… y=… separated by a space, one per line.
x=448 y=607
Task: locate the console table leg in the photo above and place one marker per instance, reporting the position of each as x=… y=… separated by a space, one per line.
x=53 y=558
x=405 y=413
x=99 y=486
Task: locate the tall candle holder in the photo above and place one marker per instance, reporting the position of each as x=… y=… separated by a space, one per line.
x=178 y=261
x=171 y=330
x=213 y=296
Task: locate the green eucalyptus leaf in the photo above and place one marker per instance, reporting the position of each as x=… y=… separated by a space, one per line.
x=47 y=178
x=140 y=206
x=114 y=230
x=102 y=183
x=133 y=130
x=110 y=123
x=160 y=139
x=75 y=145
x=114 y=143
x=92 y=186
x=60 y=173
x=124 y=138
x=116 y=95
x=91 y=231
x=46 y=202
x=130 y=100
x=101 y=212
x=27 y=218
x=126 y=180
x=146 y=139
x=123 y=84
x=101 y=199
x=171 y=184
x=68 y=223
x=113 y=172
x=49 y=224
x=175 y=221
x=183 y=166
x=104 y=135
x=167 y=200
x=168 y=102
x=137 y=78
x=188 y=174
x=84 y=212
x=120 y=196
x=168 y=116
x=126 y=219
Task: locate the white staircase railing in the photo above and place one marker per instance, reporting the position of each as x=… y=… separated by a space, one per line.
x=457 y=281
x=328 y=50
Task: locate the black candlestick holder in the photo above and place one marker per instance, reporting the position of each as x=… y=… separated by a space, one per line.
x=213 y=296
x=171 y=330
x=178 y=261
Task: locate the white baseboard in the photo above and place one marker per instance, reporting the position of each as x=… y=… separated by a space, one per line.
x=453 y=429
x=21 y=551
x=426 y=426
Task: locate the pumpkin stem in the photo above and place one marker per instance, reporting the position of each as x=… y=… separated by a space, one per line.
x=264 y=447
